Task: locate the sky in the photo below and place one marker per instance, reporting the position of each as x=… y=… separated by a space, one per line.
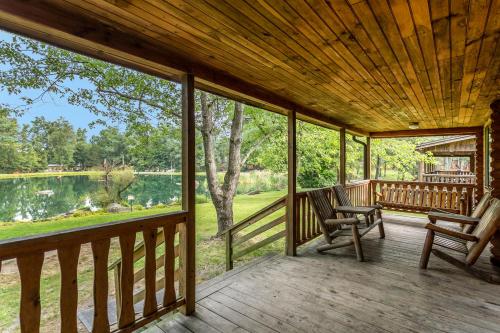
x=52 y=107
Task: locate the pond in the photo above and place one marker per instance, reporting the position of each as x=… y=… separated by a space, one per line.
x=26 y=199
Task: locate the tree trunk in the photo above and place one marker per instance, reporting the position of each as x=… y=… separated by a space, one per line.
x=377 y=168
x=222 y=195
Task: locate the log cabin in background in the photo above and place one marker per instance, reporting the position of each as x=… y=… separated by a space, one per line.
x=375 y=69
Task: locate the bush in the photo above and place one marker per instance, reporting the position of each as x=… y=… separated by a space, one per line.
x=261 y=181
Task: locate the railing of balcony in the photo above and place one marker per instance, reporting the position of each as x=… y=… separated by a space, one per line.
x=455 y=178
x=243 y=238
x=29 y=253
x=421 y=197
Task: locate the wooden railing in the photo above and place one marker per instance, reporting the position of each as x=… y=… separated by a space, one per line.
x=238 y=245
x=451 y=172
x=307 y=228
x=140 y=275
x=423 y=196
x=449 y=178
x=30 y=252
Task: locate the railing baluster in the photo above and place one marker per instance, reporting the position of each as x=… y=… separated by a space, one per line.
x=169 y=265
x=127 y=315
x=150 y=305
x=300 y=216
x=68 y=260
x=307 y=218
x=30 y=270
x=100 y=252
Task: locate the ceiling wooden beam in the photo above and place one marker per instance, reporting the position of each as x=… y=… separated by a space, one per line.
x=426 y=132
x=84 y=34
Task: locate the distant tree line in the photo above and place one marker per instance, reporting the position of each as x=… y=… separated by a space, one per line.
x=33 y=147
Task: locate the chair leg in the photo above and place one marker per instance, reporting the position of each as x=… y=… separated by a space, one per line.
x=426 y=251
x=381 y=229
x=357 y=242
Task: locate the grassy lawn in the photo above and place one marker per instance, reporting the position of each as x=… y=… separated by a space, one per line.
x=210 y=254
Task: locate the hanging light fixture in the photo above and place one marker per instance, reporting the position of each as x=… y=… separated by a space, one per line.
x=413 y=125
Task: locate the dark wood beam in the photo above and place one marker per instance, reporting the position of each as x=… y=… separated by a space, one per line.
x=76 y=31
x=342 y=171
x=479 y=164
x=291 y=224
x=187 y=234
x=425 y=132
x=367 y=161
x=495 y=173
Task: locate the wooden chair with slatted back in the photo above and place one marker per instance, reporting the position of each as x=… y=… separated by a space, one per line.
x=344 y=201
x=334 y=227
x=470 y=244
x=476 y=215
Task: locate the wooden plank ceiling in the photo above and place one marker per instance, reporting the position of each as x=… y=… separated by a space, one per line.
x=371 y=65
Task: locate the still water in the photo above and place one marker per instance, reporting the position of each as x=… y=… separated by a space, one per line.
x=24 y=199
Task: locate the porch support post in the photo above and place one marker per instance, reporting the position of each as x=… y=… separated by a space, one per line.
x=342 y=175
x=495 y=173
x=479 y=164
x=291 y=224
x=368 y=158
x=187 y=230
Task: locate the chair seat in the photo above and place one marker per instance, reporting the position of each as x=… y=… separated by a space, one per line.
x=451 y=243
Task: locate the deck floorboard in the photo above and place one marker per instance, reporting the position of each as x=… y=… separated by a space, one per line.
x=334 y=292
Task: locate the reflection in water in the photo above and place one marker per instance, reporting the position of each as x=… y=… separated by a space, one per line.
x=29 y=199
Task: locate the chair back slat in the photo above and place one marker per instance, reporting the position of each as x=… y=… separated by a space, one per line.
x=482 y=205
x=484 y=231
x=323 y=210
x=343 y=198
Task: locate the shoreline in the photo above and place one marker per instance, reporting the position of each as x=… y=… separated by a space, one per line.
x=85 y=173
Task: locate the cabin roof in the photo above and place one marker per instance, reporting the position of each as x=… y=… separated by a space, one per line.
x=445 y=141
x=369 y=66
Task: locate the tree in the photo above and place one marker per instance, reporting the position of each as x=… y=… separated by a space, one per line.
x=122 y=95
x=82 y=153
x=60 y=142
x=9 y=146
x=28 y=158
x=109 y=146
x=399 y=155
x=222 y=194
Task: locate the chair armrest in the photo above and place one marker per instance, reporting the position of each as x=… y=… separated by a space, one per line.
x=437 y=210
x=434 y=216
x=355 y=210
x=376 y=206
x=350 y=220
x=450 y=232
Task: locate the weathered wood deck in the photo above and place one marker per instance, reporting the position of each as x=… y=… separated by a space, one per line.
x=333 y=292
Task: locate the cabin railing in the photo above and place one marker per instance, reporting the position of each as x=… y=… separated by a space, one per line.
x=451 y=172
x=421 y=197
x=239 y=243
x=449 y=178
x=307 y=228
x=140 y=274
x=29 y=253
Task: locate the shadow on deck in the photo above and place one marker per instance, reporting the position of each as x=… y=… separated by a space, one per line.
x=333 y=292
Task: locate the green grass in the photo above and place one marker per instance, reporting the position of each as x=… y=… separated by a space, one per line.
x=210 y=254
x=20 y=229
